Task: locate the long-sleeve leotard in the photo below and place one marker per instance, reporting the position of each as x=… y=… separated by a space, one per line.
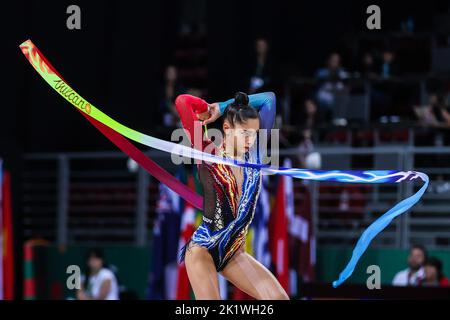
x=188 y=107
x=225 y=217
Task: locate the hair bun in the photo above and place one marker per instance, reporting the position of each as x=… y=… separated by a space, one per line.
x=241 y=99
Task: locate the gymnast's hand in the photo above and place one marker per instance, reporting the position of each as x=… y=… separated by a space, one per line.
x=211 y=115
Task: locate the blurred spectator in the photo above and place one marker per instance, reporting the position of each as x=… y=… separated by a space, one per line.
x=414 y=274
x=383 y=93
x=407 y=25
x=433 y=274
x=368 y=68
x=311 y=116
x=99 y=282
x=333 y=69
x=171 y=89
x=261 y=73
x=332 y=84
x=305 y=147
x=436 y=112
x=388 y=66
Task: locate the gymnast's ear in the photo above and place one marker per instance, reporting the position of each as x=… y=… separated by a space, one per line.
x=226 y=125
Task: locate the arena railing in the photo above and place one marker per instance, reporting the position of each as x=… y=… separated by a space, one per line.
x=93 y=198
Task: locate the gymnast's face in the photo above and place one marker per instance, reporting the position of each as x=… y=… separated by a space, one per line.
x=242 y=135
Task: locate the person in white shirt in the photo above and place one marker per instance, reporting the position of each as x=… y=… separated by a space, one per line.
x=100 y=283
x=414 y=274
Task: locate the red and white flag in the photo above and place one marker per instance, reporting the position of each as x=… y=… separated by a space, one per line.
x=187 y=229
x=278 y=229
x=303 y=240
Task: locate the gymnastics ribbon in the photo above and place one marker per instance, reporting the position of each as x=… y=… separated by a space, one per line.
x=116 y=132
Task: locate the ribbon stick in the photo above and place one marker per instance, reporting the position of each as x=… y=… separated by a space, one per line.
x=116 y=132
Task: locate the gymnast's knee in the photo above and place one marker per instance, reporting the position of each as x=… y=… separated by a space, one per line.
x=280 y=295
x=273 y=294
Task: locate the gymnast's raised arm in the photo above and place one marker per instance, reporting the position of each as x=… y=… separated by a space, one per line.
x=264 y=102
x=192 y=110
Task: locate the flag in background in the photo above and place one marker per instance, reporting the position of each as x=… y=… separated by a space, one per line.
x=303 y=238
x=6 y=238
x=164 y=264
x=186 y=230
x=278 y=231
x=290 y=214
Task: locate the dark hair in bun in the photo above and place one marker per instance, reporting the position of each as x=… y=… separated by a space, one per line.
x=239 y=110
x=240 y=99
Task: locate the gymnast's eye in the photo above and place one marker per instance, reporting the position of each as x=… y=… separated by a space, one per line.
x=247 y=133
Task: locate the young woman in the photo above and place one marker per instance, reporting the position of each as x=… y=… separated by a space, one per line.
x=230 y=197
x=99 y=283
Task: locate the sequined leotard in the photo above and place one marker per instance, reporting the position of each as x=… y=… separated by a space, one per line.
x=226 y=216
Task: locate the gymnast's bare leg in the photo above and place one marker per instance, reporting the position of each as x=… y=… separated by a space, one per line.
x=252 y=277
x=202 y=273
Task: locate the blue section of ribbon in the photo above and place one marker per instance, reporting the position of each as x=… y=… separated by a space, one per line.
x=375 y=228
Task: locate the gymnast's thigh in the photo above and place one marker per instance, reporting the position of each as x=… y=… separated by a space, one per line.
x=249 y=275
x=202 y=273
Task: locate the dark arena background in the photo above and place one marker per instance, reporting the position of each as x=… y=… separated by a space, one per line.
x=347 y=98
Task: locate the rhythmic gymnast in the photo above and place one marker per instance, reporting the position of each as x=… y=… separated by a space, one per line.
x=217 y=245
x=230 y=197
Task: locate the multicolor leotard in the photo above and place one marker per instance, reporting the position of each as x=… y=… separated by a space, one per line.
x=226 y=217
